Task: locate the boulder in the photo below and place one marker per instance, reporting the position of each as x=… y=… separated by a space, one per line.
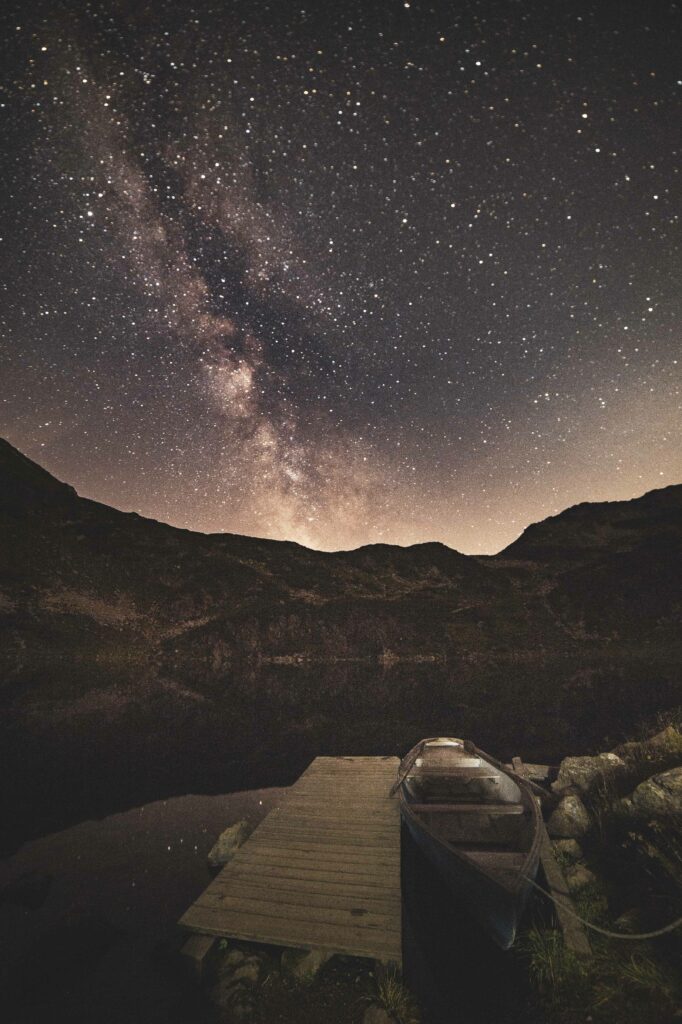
x=248 y=973
x=228 y=843
x=232 y=958
x=377 y=1015
x=570 y=819
x=237 y=977
x=582 y=774
x=665 y=745
x=658 y=797
x=579 y=877
x=303 y=965
x=568 y=849
x=667 y=741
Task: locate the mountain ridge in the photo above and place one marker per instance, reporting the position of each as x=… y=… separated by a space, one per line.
x=9 y=453
x=70 y=567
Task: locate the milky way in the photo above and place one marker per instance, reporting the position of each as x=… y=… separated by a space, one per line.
x=344 y=273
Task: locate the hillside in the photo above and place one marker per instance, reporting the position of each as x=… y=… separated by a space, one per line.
x=75 y=574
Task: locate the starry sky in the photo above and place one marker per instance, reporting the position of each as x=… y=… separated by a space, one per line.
x=343 y=273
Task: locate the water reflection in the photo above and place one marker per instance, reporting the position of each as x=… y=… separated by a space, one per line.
x=123 y=742
x=454 y=970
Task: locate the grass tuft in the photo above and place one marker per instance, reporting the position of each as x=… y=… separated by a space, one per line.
x=555 y=971
x=394 y=997
x=635 y=986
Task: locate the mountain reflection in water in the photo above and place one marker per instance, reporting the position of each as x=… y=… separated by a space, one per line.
x=80 y=747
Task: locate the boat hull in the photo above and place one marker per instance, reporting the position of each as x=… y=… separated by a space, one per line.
x=496 y=909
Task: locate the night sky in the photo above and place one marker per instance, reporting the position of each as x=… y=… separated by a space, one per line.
x=344 y=272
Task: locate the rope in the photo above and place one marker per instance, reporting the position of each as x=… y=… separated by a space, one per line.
x=637 y=937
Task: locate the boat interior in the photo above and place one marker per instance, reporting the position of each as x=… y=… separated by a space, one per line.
x=472 y=807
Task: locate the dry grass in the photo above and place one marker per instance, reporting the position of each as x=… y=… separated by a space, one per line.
x=394 y=997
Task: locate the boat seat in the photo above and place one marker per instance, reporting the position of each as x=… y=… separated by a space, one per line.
x=492 y=860
x=463 y=773
x=490 y=808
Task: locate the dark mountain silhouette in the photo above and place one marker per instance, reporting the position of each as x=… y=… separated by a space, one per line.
x=75 y=574
x=612 y=569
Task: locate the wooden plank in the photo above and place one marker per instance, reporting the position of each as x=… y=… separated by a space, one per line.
x=455 y=773
x=310 y=835
x=195 y=953
x=304 y=895
x=490 y=808
x=321 y=871
x=534 y=772
x=320 y=848
x=384 y=881
x=340 y=865
x=332 y=857
x=337 y=837
x=316 y=824
x=299 y=912
x=575 y=935
x=348 y=940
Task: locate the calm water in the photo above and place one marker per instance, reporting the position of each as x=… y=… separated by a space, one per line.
x=86 y=747
x=93 y=935
x=102 y=944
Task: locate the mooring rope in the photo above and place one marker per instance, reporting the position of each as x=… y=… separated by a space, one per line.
x=635 y=936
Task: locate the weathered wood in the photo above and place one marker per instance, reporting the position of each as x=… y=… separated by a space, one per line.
x=502 y=810
x=575 y=935
x=195 y=953
x=314 y=875
x=379 y=944
x=326 y=899
x=533 y=772
x=322 y=871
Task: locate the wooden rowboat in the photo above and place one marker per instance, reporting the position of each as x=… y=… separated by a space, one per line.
x=479 y=826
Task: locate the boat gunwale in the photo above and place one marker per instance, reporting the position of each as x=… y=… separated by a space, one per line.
x=469 y=863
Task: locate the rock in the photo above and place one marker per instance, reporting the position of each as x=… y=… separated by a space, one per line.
x=377 y=1015
x=582 y=774
x=665 y=744
x=624 y=808
x=667 y=741
x=569 y=849
x=570 y=819
x=233 y=957
x=237 y=977
x=241 y=1012
x=629 y=921
x=248 y=972
x=578 y=877
x=658 y=797
x=235 y=1006
x=228 y=843
x=303 y=964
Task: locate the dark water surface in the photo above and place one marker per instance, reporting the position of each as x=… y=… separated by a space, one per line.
x=90 y=933
x=80 y=742
x=88 y=916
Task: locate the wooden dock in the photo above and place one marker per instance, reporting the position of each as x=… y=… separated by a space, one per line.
x=321 y=871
